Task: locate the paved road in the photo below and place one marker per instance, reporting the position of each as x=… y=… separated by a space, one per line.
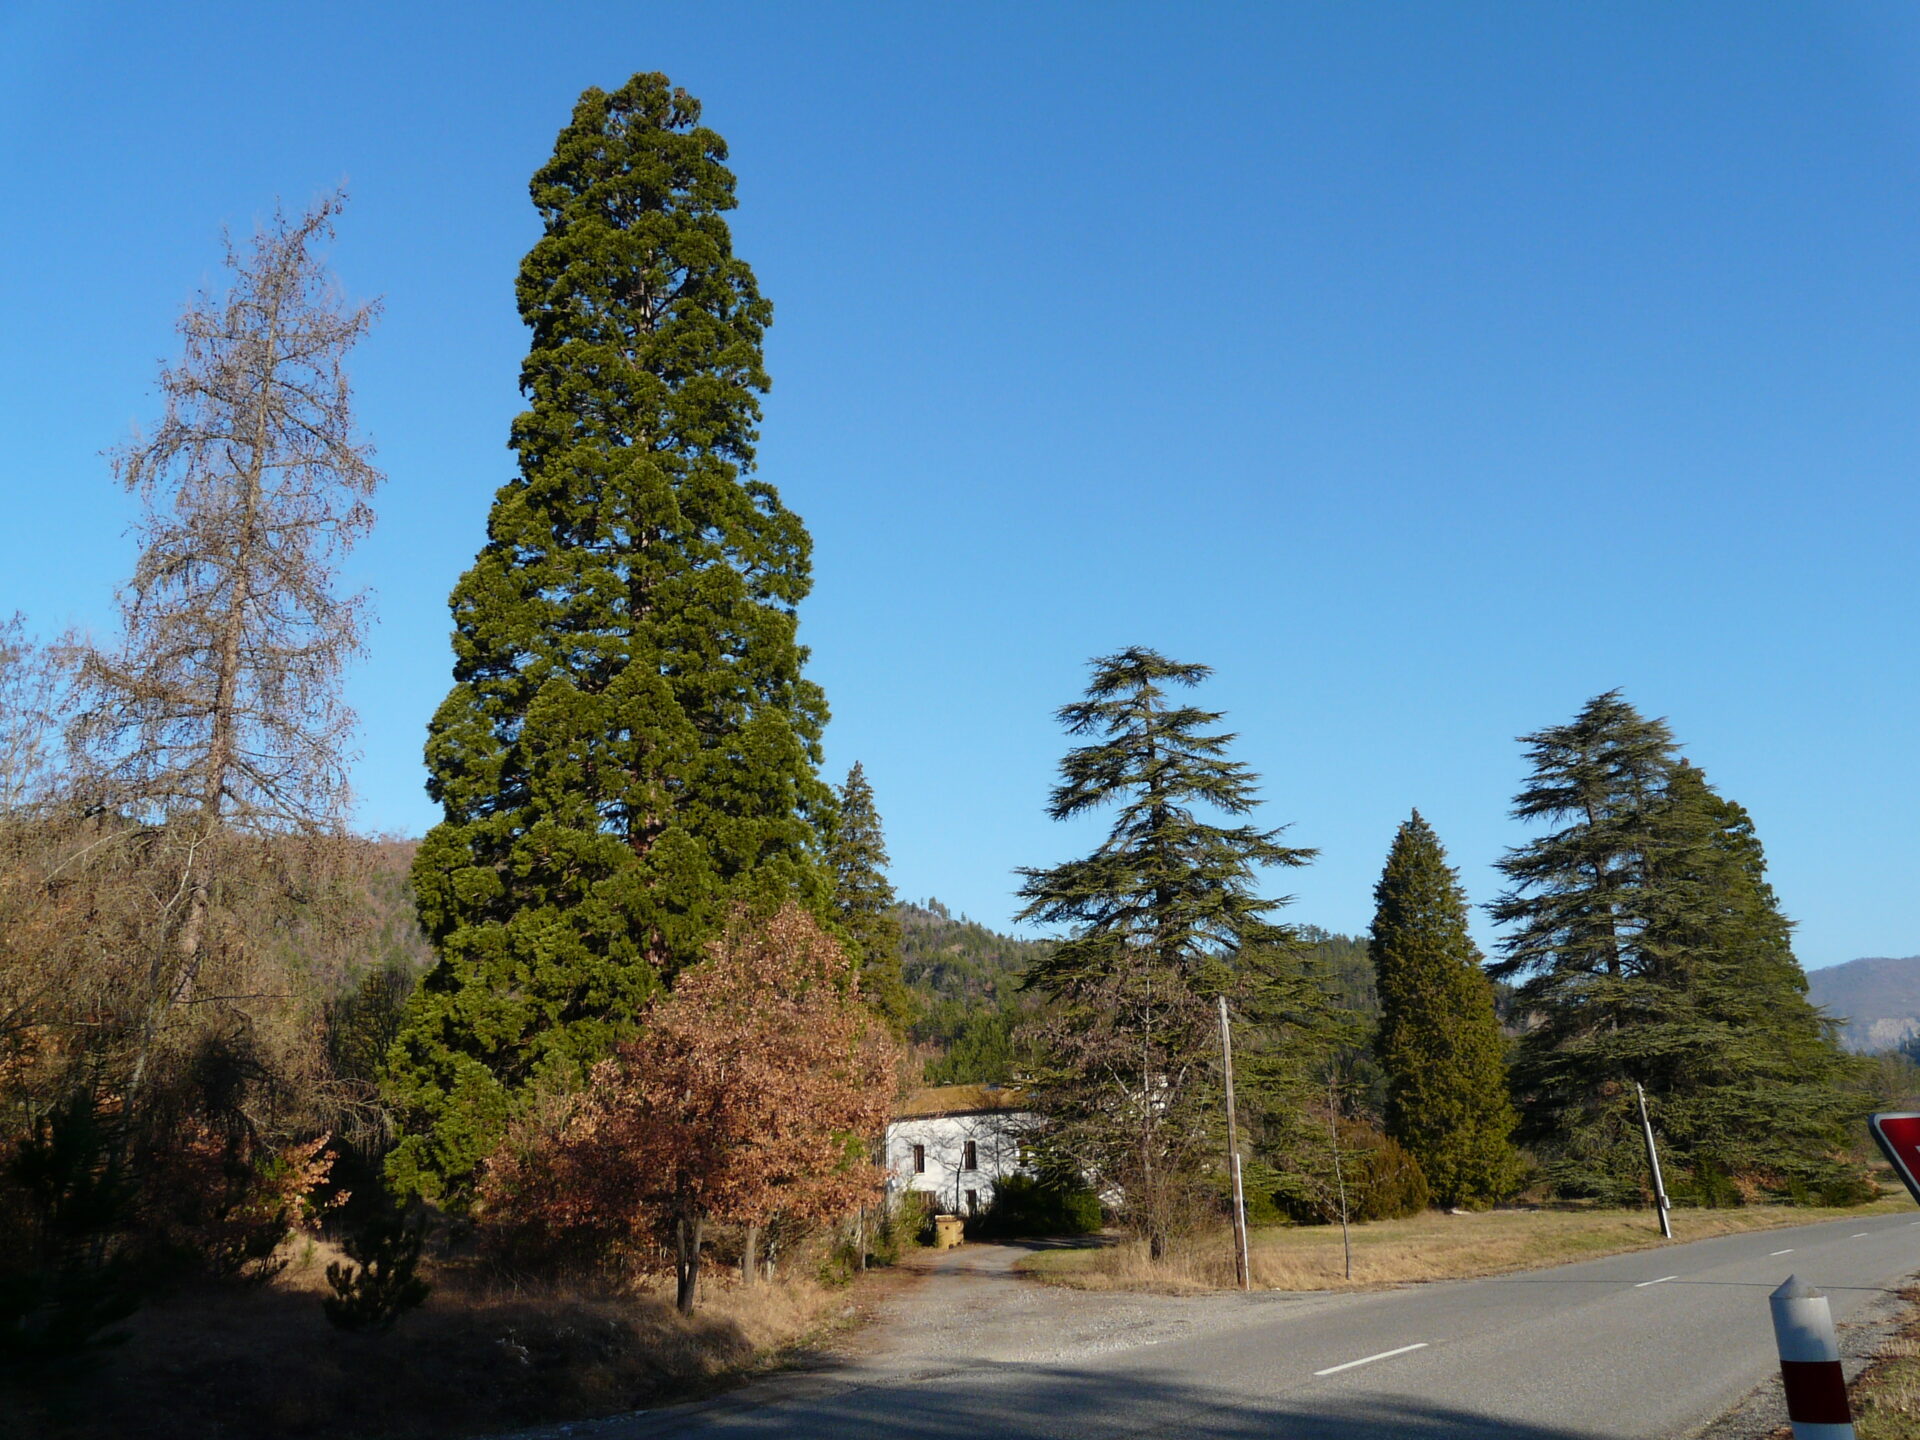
x=1649 y=1346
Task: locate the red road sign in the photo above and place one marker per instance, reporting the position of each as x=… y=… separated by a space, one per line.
x=1898 y=1135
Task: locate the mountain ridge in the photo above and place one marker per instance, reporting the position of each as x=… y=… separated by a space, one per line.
x=1876 y=998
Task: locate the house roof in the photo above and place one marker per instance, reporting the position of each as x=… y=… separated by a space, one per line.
x=959 y=1100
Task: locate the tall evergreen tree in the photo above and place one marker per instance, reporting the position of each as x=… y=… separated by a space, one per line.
x=1439 y=1041
x=863 y=899
x=629 y=747
x=1748 y=1075
x=1579 y=901
x=1653 y=951
x=1163 y=917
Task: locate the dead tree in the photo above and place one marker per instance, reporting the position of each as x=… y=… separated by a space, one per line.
x=217 y=719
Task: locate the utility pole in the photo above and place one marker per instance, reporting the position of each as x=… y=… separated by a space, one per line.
x=1653 y=1161
x=1242 y=1268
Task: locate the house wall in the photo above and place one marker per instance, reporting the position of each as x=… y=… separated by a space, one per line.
x=995 y=1135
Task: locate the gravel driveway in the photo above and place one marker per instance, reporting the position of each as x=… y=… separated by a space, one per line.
x=961 y=1310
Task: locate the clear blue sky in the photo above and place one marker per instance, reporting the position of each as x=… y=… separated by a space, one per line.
x=1424 y=369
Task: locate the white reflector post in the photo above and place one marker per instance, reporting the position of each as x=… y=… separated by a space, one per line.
x=1810 y=1363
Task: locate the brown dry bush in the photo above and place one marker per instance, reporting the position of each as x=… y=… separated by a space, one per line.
x=479 y=1358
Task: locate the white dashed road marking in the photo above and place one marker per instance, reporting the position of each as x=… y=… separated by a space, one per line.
x=1661 y=1281
x=1787 y=1251
x=1368 y=1360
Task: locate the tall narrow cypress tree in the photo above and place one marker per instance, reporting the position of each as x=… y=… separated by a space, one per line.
x=1439 y=1040
x=629 y=747
x=863 y=899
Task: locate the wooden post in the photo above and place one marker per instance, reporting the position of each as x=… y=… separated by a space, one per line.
x=1242 y=1265
x=1339 y=1175
x=1653 y=1161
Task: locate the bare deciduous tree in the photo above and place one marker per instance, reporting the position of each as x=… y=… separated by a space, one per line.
x=218 y=717
x=32 y=700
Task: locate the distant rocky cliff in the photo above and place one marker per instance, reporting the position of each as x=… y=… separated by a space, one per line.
x=1878 y=998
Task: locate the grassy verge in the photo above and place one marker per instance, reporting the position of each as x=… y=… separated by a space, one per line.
x=476 y=1359
x=1886 y=1398
x=1432 y=1246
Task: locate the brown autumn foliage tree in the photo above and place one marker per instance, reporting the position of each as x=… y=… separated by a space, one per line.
x=753 y=1092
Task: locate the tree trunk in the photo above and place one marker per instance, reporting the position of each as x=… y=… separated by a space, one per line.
x=750 y=1257
x=686 y=1261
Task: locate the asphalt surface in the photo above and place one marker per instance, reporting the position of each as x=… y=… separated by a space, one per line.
x=1651 y=1345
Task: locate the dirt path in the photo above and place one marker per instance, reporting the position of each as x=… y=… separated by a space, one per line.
x=973 y=1309
x=943 y=1313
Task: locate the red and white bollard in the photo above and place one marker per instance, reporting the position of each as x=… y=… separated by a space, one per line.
x=1810 y=1363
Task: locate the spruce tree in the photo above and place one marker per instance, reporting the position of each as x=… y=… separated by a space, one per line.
x=1163 y=917
x=1439 y=1041
x=863 y=900
x=1653 y=951
x=629 y=748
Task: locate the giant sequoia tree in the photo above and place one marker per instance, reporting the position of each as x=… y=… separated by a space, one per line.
x=629 y=747
x=1652 y=950
x=1438 y=1040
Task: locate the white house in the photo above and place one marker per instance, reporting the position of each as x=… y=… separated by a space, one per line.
x=957 y=1142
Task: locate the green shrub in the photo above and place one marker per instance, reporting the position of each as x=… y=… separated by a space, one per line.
x=67 y=1206
x=1391 y=1184
x=916 y=1209
x=1035 y=1205
x=1709 y=1187
x=1848 y=1189
x=383 y=1286
x=1382 y=1180
x=892 y=1226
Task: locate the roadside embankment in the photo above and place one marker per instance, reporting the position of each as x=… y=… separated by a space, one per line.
x=1430 y=1246
x=480 y=1357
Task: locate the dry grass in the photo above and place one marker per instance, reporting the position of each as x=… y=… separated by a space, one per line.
x=477 y=1358
x=1886 y=1399
x=1431 y=1246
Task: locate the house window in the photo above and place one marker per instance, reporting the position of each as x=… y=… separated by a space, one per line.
x=919 y=1159
x=973 y=1202
x=972 y=1161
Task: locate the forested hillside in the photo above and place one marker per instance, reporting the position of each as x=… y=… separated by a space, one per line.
x=965 y=981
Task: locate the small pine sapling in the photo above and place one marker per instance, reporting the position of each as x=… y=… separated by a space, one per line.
x=383 y=1284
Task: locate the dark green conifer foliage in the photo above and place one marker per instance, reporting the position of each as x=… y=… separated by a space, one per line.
x=1163 y=917
x=1439 y=1041
x=1165 y=880
x=863 y=899
x=1652 y=950
x=1747 y=1075
x=629 y=748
